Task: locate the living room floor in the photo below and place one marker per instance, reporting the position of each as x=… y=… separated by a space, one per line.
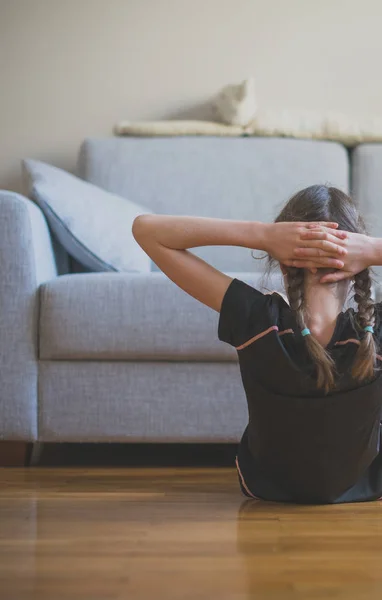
x=176 y=533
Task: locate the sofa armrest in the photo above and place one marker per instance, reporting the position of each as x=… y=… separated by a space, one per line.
x=26 y=261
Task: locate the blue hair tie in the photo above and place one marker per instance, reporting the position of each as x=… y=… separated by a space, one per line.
x=305 y=332
x=369 y=328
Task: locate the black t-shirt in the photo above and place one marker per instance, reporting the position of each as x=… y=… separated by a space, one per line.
x=301 y=444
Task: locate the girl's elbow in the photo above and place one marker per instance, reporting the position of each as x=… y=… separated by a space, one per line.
x=140 y=225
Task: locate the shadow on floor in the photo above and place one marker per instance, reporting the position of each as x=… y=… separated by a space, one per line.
x=131 y=455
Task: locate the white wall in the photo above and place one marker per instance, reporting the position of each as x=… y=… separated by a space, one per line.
x=72 y=68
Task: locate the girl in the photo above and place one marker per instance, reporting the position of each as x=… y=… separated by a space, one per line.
x=310 y=370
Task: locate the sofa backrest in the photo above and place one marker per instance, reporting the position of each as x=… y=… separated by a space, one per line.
x=230 y=178
x=366 y=186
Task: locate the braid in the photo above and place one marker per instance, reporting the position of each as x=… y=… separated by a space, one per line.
x=296 y=289
x=324 y=362
x=365 y=359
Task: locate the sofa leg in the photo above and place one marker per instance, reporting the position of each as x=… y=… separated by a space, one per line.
x=14 y=454
x=37 y=448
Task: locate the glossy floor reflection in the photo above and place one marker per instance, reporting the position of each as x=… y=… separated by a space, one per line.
x=177 y=533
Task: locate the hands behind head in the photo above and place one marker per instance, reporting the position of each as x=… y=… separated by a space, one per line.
x=319 y=245
x=322 y=240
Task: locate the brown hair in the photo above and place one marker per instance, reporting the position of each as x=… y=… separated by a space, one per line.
x=323 y=203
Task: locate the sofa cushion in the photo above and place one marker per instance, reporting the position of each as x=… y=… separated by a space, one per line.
x=229 y=178
x=151 y=402
x=114 y=316
x=94 y=226
x=367 y=184
x=366 y=187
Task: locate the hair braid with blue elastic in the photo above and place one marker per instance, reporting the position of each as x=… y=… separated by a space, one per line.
x=321 y=358
x=365 y=359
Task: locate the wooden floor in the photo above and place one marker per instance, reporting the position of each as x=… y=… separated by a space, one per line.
x=170 y=533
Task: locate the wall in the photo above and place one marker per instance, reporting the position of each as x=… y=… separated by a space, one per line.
x=72 y=68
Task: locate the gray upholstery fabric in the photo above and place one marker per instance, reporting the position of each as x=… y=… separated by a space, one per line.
x=366 y=161
x=26 y=260
x=141 y=401
x=231 y=178
x=105 y=316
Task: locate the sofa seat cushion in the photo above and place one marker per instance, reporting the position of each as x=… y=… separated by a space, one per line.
x=128 y=316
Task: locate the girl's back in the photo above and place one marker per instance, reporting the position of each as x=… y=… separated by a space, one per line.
x=309 y=446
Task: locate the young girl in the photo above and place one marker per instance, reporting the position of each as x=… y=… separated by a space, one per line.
x=310 y=370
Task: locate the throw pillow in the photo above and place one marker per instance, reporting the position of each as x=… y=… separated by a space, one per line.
x=93 y=225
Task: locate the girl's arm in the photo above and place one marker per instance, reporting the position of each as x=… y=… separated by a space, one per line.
x=376 y=252
x=166 y=239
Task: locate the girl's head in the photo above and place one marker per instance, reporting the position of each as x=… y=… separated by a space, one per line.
x=323 y=203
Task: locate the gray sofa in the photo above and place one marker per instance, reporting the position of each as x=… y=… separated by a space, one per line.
x=102 y=357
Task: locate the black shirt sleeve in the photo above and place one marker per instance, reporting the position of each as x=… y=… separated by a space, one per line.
x=245 y=312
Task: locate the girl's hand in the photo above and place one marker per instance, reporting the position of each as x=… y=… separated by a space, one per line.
x=284 y=240
x=359 y=249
